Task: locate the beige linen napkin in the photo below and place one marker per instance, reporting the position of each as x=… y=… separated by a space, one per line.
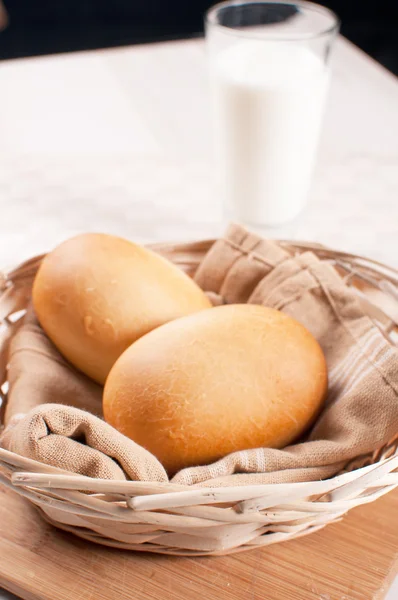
x=359 y=417
x=60 y=427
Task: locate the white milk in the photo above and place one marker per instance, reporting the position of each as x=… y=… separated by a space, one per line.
x=269 y=98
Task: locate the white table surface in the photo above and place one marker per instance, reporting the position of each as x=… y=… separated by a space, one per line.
x=119 y=141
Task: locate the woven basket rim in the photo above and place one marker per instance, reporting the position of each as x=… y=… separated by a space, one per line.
x=173 y=515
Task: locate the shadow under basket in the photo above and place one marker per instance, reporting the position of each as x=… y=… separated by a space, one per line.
x=174 y=519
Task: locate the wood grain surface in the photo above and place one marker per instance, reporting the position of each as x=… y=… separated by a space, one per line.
x=352 y=560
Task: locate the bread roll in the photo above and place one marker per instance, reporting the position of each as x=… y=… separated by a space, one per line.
x=96 y=294
x=226 y=379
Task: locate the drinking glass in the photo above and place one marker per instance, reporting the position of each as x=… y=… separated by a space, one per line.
x=269 y=72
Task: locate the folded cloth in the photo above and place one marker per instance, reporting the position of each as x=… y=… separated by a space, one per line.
x=38 y=374
x=77 y=441
x=360 y=415
x=51 y=415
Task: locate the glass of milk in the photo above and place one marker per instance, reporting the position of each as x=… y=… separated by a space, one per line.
x=269 y=71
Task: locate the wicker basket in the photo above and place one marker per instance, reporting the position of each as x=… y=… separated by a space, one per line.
x=173 y=519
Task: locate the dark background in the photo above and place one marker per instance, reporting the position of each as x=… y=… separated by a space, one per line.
x=51 y=26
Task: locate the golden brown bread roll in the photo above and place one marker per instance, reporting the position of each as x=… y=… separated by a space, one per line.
x=225 y=379
x=96 y=294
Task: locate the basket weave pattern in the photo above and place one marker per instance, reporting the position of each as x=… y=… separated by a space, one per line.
x=174 y=519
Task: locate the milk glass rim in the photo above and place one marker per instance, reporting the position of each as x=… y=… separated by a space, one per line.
x=211 y=13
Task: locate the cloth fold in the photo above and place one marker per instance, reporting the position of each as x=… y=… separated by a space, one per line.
x=77 y=441
x=359 y=417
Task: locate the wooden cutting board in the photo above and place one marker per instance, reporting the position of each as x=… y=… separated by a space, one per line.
x=352 y=560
